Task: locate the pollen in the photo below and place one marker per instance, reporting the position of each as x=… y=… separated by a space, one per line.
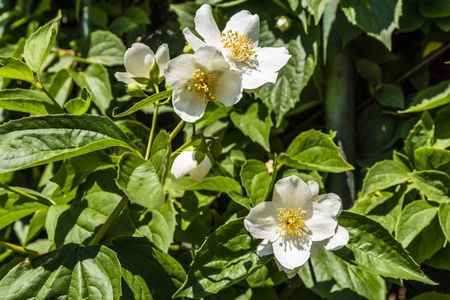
x=202 y=83
x=241 y=46
x=291 y=222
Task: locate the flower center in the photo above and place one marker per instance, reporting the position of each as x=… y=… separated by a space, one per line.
x=202 y=83
x=241 y=47
x=291 y=222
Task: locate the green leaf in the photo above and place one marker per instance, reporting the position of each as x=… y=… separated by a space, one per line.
x=378 y=18
x=429 y=158
x=60 y=86
x=383 y=175
x=148 y=272
x=160 y=154
x=13 y=208
x=414 y=218
x=143 y=103
x=214 y=183
x=315 y=8
x=433 y=184
x=40 y=43
x=35 y=141
x=390 y=95
x=140 y=182
x=431 y=97
x=368 y=70
x=432 y=295
x=444 y=219
x=72 y=272
x=314 y=150
x=434 y=8
x=106 y=49
x=428 y=242
x=79 y=105
x=29 y=101
x=256 y=180
x=376 y=251
x=14 y=68
x=421 y=135
x=252 y=125
x=226 y=257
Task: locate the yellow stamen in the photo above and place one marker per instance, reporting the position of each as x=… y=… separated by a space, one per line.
x=241 y=46
x=291 y=222
x=202 y=83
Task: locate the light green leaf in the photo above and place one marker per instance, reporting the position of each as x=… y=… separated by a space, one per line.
x=444 y=219
x=315 y=8
x=14 y=68
x=414 y=218
x=40 y=43
x=379 y=18
x=37 y=222
x=106 y=49
x=252 y=126
x=429 y=158
x=256 y=180
x=143 y=103
x=433 y=184
x=139 y=180
x=160 y=154
x=29 y=101
x=61 y=86
x=13 y=208
x=214 y=183
x=390 y=95
x=314 y=150
x=376 y=251
x=35 y=141
x=431 y=97
x=226 y=257
x=428 y=242
x=73 y=272
x=383 y=175
x=421 y=135
x=79 y=105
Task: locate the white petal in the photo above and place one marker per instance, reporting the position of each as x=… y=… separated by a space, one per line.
x=329 y=204
x=338 y=240
x=179 y=70
x=162 y=57
x=289 y=273
x=188 y=105
x=138 y=60
x=313 y=187
x=211 y=59
x=292 y=253
x=253 y=79
x=201 y=170
x=124 y=77
x=321 y=226
x=246 y=24
x=183 y=164
x=292 y=192
x=228 y=89
x=265 y=248
x=193 y=40
x=205 y=24
x=271 y=59
x=261 y=222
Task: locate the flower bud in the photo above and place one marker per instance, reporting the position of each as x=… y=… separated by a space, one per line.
x=284 y=23
x=185 y=163
x=135 y=90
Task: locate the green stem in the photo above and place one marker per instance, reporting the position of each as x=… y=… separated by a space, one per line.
x=182 y=147
x=108 y=223
x=177 y=129
x=18 y=249
x=152 y=130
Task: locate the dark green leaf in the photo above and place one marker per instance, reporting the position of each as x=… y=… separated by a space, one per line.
x=433 y=184
x=444 y=219
x=391 y=95
x=429 y=98
x=160 y=154
x=214 y=183
x=421 y=135
x=434 y=8
x=256 y=180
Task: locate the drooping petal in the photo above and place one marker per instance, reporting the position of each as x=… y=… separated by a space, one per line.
x=289 y=273
x=179 y=70
x=183 y=164
x=124 y=77
x=329 y=204
x=321 y=226
x=265 y=248
x=211 y=59
x=201 y=170
x=253 y=79
x=246 y=24
x=188 y=105
x=228 y=89
x=206 y=26
x=271 y=59
x=338 y=240
x=138 y=60
x=292 y=192
x=313 y=187
x=292 y=253
x=193 y=40
x=261 y=222
x=162 y=57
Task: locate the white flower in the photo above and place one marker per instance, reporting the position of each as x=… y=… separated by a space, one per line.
x=296 y=218
x=199 y=78
x=139 y=61
x=185 y=163
x=239 y=43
